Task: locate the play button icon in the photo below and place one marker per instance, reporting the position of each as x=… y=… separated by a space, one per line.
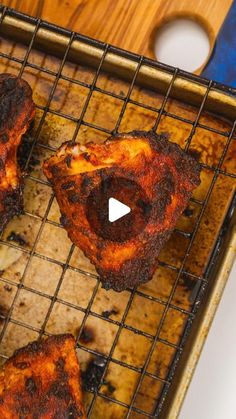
x=117 y=210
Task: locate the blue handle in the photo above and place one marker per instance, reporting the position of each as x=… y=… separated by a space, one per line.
x=222 y=65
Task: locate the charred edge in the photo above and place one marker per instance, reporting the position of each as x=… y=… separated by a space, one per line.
x=43 y=344
x=64 y=220
x=194 y=153
x=9 y=84
x=133 y=272
x=148 y=135
x=161 y=143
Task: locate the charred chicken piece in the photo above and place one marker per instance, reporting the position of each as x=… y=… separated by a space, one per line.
x=160 y=169
x=16 y=111
x=42 y=381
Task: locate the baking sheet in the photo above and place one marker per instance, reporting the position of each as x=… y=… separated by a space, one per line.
x=80 y=297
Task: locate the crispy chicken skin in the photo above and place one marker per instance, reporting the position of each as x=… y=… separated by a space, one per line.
x=165 y=173
x=16 y=111
x=42 y=381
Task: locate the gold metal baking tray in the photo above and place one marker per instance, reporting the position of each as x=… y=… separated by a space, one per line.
x=141 y=346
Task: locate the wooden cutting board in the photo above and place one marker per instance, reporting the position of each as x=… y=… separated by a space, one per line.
x=129 y=24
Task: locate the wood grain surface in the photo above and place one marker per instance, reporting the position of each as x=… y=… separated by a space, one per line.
x=129 y=24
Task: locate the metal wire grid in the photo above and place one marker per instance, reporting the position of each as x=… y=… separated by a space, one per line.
x=179 y=271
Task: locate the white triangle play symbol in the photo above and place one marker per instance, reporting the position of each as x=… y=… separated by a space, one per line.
x=116 y=209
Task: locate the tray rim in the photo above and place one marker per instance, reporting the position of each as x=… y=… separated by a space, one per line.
x=222 y=265
x=120 y=62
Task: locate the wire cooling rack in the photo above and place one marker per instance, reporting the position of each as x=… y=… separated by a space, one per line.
x=131 y=409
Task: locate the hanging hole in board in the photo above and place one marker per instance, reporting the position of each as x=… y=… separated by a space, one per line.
x=184 y=43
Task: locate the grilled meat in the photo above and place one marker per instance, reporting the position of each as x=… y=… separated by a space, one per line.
x=42 y=381
x=16 y=111
x=159 y=168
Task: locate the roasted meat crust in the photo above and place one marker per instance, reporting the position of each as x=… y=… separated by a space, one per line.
x=42 y=381
x=165 y=173
x=16 y=111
